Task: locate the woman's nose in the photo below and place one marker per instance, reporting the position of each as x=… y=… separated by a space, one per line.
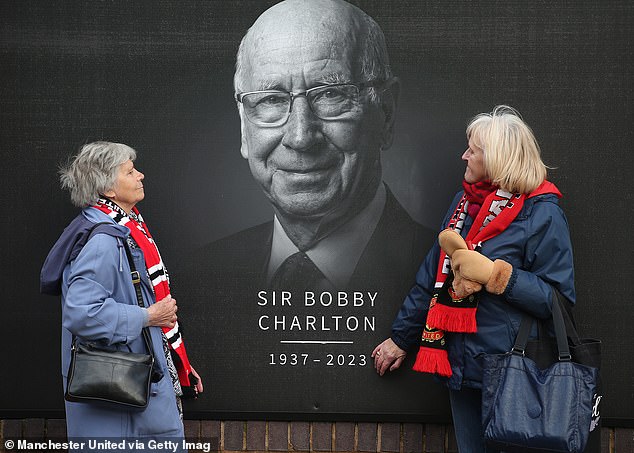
x=466 y=154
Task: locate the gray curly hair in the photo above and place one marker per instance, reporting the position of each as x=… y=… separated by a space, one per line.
x=93 y=171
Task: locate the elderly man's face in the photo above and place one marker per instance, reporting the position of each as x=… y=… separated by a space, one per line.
x=309 y=166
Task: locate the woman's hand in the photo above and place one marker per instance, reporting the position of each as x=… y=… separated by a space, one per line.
x=163 y=313
x=199 y=383
x=387 y=355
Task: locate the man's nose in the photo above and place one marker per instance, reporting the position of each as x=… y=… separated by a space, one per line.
x=301 y=130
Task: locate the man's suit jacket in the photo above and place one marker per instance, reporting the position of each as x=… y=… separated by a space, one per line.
x=390 y=259
x=247 y=325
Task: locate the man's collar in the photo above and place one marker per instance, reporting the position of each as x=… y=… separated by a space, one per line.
x=337 y=255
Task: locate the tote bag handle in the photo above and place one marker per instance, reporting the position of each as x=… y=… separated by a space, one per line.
x=519 y=348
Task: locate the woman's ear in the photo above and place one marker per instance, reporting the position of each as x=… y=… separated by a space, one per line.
x=109 y=194
x=389 y=101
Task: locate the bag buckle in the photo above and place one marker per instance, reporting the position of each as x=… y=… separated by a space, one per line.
x=136 y=277
x=565 y=358
x=518 y=351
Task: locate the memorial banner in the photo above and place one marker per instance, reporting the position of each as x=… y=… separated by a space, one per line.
x=351 y=196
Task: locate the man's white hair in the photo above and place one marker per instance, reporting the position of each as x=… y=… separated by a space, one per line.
x=374 y=60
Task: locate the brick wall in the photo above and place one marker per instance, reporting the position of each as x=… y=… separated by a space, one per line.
x=234 y=436
x=262 y=436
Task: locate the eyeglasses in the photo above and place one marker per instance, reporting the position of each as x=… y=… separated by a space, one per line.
x=271 y=108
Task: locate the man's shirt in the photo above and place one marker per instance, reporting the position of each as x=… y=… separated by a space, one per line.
x=336 y=255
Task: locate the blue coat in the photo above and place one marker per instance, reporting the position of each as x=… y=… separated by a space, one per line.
x=537 y=245
x=99 y=304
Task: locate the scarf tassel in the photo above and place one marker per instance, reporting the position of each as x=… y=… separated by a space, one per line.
x=432 y=360
x=451 y=319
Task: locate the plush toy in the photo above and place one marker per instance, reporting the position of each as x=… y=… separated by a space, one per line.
x=472 y=269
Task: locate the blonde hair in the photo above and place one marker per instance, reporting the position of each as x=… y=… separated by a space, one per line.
x=512 y=158
x=93 y=171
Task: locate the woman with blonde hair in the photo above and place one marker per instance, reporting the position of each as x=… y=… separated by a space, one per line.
x=503 y=247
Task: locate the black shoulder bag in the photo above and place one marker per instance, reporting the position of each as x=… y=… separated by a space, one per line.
x=106 y=375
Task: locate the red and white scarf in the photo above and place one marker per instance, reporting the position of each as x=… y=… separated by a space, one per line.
x=447 y=312
x=157 y=274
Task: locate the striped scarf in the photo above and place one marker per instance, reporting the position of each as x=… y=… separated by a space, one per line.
x=157 y=274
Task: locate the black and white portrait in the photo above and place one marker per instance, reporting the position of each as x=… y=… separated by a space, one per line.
x=301 y=156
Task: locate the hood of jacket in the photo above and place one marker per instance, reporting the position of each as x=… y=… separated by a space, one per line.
x=87 y=223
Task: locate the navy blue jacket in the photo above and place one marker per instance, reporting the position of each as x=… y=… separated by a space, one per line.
x=537 y=245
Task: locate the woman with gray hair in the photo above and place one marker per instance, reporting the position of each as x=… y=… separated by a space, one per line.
x=99 y=302
x=504 y=246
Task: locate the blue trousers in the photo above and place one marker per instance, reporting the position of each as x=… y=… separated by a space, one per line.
x=466 y=410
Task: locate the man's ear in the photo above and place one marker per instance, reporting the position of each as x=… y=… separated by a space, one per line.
x=389 y=101
x=109 y=193
x=244 y=149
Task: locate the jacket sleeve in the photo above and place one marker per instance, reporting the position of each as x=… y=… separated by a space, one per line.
x=94 y=280
x=547 y=261
x=408 y=325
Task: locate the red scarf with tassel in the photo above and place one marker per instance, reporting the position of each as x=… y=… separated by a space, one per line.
x=157 y=274
x=493 y=211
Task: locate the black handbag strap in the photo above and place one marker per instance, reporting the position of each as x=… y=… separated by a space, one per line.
x=560 y=330
x=569 y=321
x=136 y=281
